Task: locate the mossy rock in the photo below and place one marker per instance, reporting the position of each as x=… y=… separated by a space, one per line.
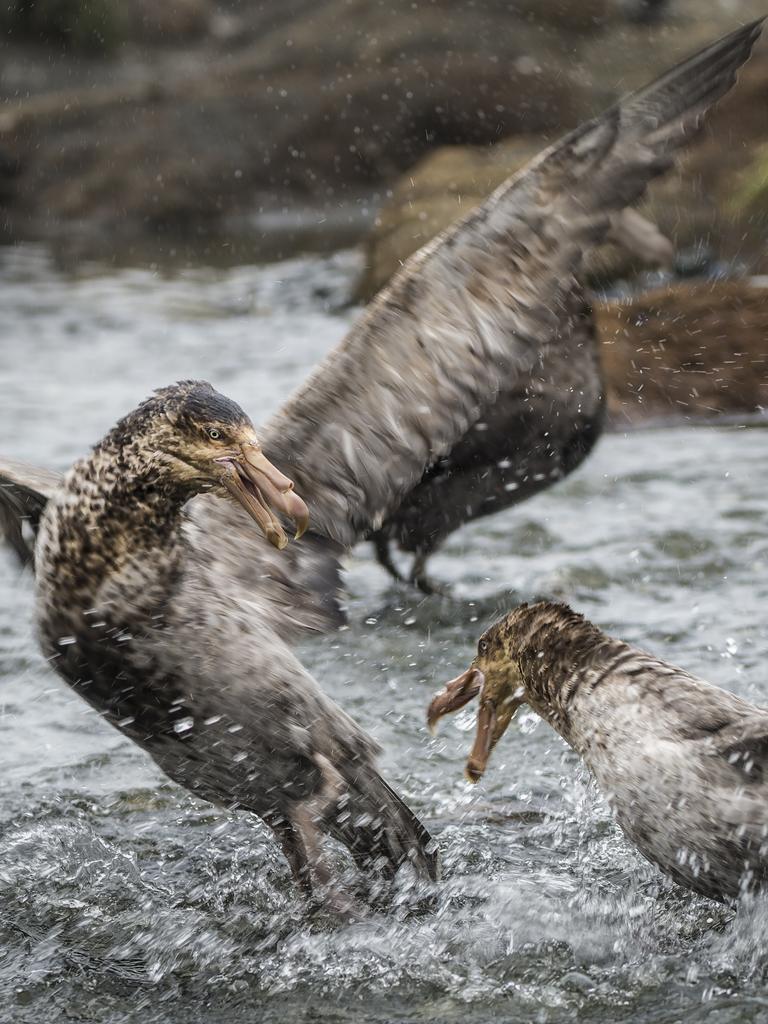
x=750 y=196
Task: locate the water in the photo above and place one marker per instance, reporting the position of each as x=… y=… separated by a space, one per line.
x=123 y=898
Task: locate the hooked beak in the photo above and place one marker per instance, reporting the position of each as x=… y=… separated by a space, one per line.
x=261 y=488
x=493 y=716
x=485 y=738
x=454 y=695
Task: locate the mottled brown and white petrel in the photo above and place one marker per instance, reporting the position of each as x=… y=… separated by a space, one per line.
x=682 y=763
x=178 y=656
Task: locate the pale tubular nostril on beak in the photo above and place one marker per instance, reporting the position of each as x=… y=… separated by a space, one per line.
x=277 y=487
x=256 y=458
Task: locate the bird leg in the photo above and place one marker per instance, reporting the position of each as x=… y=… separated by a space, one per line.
x=294 y=849
x=300 y=840
x=330 y=898
x=300 y=844
x=417 y=577
x=420 y=579
x=384 y=556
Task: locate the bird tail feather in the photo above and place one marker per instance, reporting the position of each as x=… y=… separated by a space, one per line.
x=379 y=829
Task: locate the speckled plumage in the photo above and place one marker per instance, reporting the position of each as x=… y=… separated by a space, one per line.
x=180 y=657
x=682 y=763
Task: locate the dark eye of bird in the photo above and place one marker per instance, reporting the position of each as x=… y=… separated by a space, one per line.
x=482 y=647
x=214 y=434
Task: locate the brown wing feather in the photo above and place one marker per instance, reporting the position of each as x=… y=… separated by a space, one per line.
x=470 y=312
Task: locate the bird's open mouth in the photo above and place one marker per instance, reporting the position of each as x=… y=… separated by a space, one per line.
x=497 y=709
x=263 y=490
x=455 y=695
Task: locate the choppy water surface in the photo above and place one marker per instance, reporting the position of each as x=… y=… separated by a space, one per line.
x=123 y=898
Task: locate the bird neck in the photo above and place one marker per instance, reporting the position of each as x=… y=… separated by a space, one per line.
x=122 y=506
x=135 y=489
x=557 y=656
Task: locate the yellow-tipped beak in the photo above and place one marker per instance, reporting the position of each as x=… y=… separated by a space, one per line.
x=260 y=488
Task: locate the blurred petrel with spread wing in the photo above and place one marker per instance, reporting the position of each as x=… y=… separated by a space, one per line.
x=683 y=763
x=487 y=326
x=508 y=278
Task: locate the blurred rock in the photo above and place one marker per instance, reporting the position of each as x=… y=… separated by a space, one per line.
x=750 y=196
x=328 y=103
x=212 y=111
x=688 y=351
x=567 y=15
x=170 y=21
x=90 y=26
x=645 y=10
x=99 y=26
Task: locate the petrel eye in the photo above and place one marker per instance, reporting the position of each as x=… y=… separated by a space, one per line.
x=214 y=434
x=482 y=647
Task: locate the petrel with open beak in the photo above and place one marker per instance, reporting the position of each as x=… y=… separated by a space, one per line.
x=177 y=655
x=682 y=763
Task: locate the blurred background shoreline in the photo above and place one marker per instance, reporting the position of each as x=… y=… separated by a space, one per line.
x=236 y=130
x=231 y=132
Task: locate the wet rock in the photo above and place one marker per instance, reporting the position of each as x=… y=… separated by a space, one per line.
x=691 y=351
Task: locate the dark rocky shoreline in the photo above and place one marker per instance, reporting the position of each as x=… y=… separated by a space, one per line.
x=203 y=118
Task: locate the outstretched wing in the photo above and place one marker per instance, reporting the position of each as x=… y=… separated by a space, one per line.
x=24 y=492
x=471 y=311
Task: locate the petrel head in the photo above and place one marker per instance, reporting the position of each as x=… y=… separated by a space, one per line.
x=501 y=674
x=207 y=440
